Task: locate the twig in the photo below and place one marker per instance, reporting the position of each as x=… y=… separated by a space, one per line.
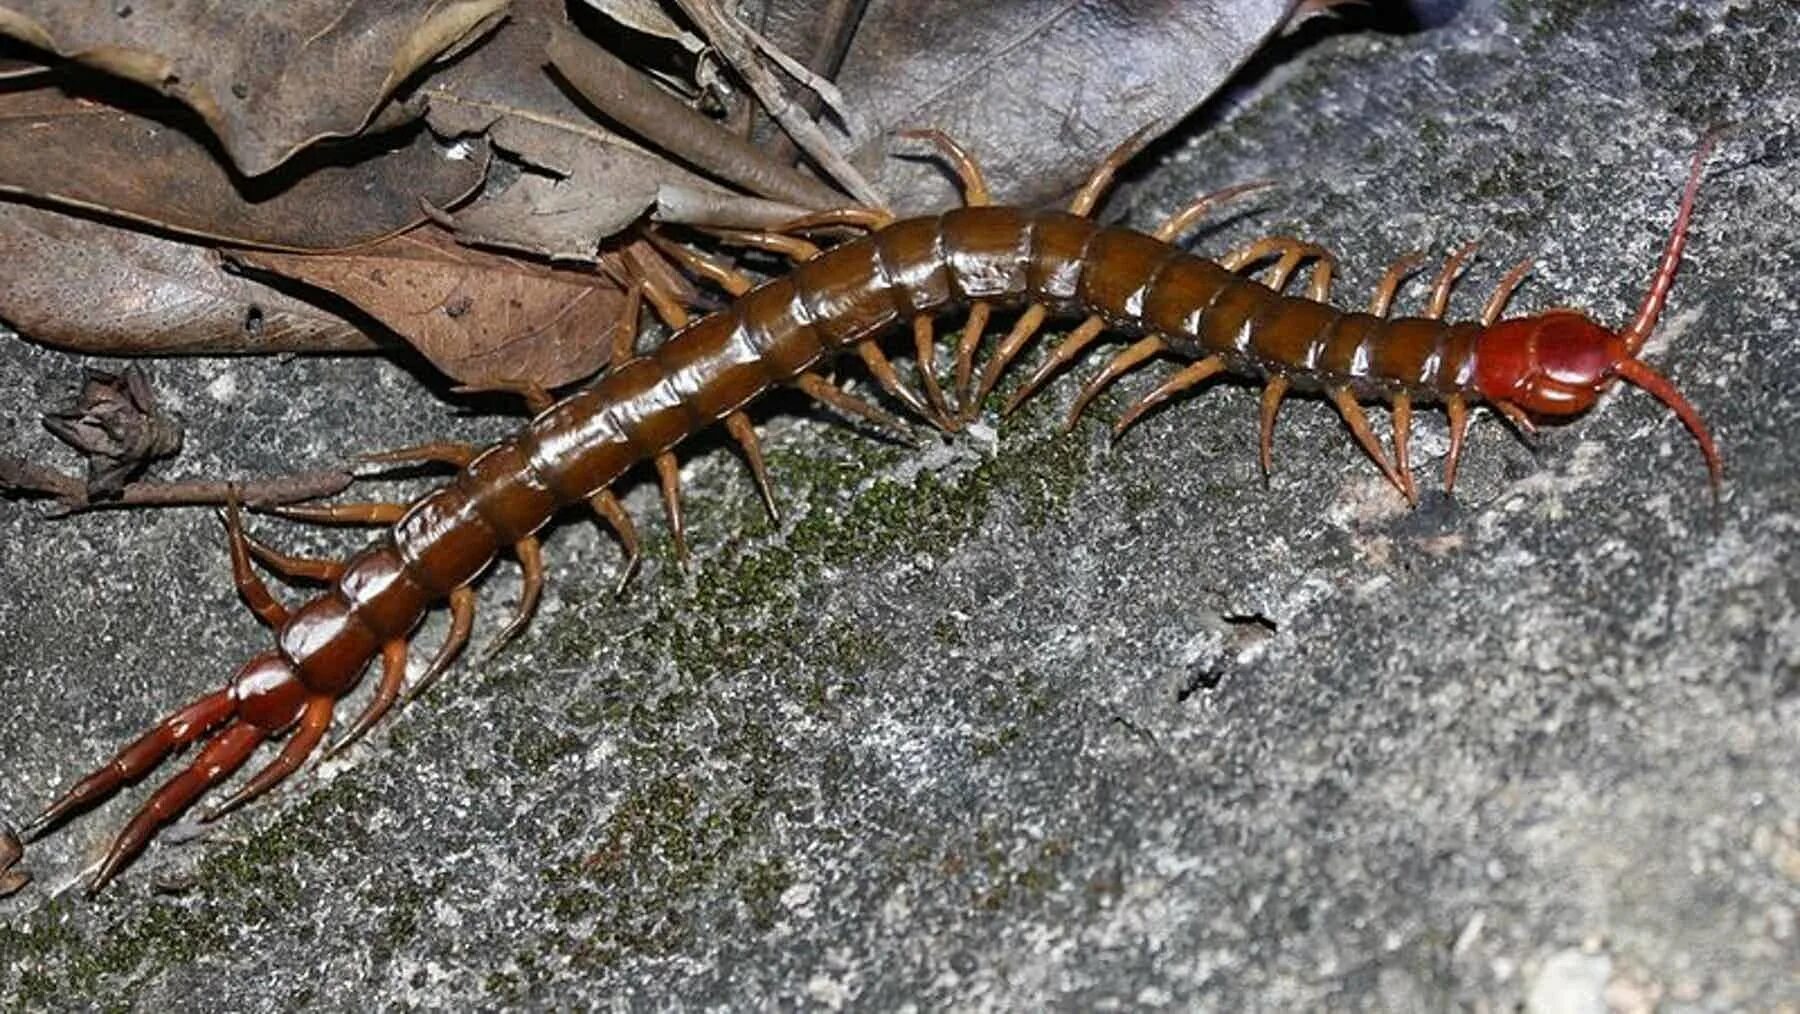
x=621 y=92
x=23 y=478
x=728 y=37
x=680 y=204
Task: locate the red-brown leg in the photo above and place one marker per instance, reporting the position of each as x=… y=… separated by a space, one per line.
x=250 y=585
x=1359 y=426
x=393 y=675
x=221 y=757
x=177 y=730
x=739 y=426
x=462 y=620
x=531 y=560
x=314 y=721
x=1458 y=410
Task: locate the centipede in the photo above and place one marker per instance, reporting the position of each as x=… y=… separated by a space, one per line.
x=1224 y=318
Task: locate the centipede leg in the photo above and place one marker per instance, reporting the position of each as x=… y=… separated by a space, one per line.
x=792 y=247
x=218 y=760
x=739 y=426
x=925 y=355
x=393 y=676
x=852 y=216
x=1402 y=435
x=968 y=171
x=1458 y=411
x=966 y=347
x=1359 y=426
x=375 y=514
x=1102 y=176
x=1446 y=280
x=668 y=475
x=454 y=454
x=1186 y=377
x=825 y=393
x=314 y=721
x=1065 y=353
x=1182 y=220
x=1022 y=331
x=1271 y=404
x=531 y=562
x=462 y=621
x=294 y=568
x=1503 y=292
x=250 y=585
x=1293 y=252
x=178 y=729
x=1398 y=272
x=608 y=508
x=1133 y=356
x=725 y=277
x=882 y=369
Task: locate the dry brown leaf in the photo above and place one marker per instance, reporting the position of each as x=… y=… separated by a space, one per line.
x=484 y=319
x=72 y=150
x=268 y=78
x=579 y=182
x=1037 y=91
x=84 y=285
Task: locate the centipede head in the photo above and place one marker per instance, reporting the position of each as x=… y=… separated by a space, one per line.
x=1557 y=364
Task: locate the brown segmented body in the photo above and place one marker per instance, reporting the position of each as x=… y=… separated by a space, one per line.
x=980 y=257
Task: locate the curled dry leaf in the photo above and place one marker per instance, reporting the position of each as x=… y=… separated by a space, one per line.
x=1038 y=92
x=268 y=78
x=115 y=424
x=576 y=182
x=71 y=150
x=85 y=285
x=486 y=320
x=648 y=16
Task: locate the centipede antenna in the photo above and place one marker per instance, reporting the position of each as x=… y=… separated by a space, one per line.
x=1658 y=385
x=1660 y=282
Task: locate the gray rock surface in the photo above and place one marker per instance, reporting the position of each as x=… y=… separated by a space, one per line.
x=1018 y=719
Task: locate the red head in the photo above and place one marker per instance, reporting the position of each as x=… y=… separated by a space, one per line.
x=1558 y=363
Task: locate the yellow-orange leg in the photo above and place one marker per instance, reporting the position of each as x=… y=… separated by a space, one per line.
x=882 y=369
x=1194 y=373
x=1458 y=411
x=668 y=476
x=607 y=507
x=739 y=426
x=1397 y=273
x=1276 y=389
x=1022 y=331
x=853 y=216
x=1071 y=347
x=825 y=393
x=1359 y=426
x=974 y=328
x=1496 y=304
x=1293 y=252
x=1033 y=318
x=1379 y=305
x=925 y=356
x=393 y=675
x=734 y=282
x=1183 y=220
x=792 y=247
x=1446 y=280
x=1134 y=356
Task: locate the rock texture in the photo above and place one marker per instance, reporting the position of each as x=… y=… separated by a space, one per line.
x=1017 y=719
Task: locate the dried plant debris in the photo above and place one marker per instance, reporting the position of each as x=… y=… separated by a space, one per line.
x=145 y=164
x=268 y=78
x=1039 y=92
x=89 y=286
x=115 y=424
x=11 y=851
x=485 y=320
